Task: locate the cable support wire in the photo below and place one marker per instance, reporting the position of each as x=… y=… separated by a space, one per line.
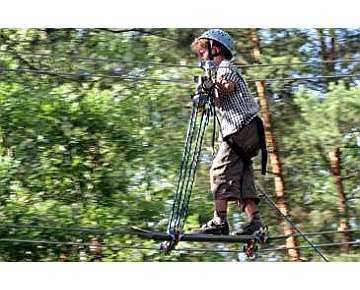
x=193 y=166
x=87 y=75
x=307 y=78
x=125 y=231
x=263 y=250
x=287 y=218
x=68 y=229
x=328 y=232
x=85 y=244
x=164 y=64
x=64 y=243
x=188 y=164
x=108 y=246
x=183 y=163
x=283 y=40
x=324 y=245
x=83 y=75
x=133 y=247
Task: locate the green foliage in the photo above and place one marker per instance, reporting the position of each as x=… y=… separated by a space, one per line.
x=83 y=146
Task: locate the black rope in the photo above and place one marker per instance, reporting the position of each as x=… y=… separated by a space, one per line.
x=66 y=243
x=183 y=194
x=184 y=169
x=164 y=64
x=190 y=168
x=183 y=163
x=125 y=231
x=191 y=179
x=273 y=205
x=85 y=75
x=135 y=247
x=185 y=189
x=192 y=149
x=282 y=248
x=68 y=229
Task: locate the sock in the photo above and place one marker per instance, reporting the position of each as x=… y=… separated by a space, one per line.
x=219 y=216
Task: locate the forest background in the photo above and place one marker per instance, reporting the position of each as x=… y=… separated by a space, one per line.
x=92 y=126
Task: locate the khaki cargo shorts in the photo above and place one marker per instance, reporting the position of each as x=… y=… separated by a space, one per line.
x=230 y=177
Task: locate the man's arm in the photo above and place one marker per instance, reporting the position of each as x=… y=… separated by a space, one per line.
x=224 y=87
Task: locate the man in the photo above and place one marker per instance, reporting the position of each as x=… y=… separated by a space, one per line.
x=231 y=174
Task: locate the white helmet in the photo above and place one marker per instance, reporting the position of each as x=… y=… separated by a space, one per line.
x=222 y=37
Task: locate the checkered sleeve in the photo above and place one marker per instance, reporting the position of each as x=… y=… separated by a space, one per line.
x=227 y=73
x=238 y=107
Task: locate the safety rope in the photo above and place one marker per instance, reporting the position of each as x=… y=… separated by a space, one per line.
x=269 y=201
x=195 y=158
x=201 y=101
x=183 y=164
x=186 y=174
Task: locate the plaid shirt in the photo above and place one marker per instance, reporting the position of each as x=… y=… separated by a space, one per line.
x=238 y=107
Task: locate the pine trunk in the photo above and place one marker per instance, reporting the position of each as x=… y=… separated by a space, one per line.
x=327 y=53
x=280 y=194
x=334 y=156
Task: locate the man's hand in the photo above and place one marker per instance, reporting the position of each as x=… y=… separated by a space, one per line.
x=207 y=84
x=225 y=86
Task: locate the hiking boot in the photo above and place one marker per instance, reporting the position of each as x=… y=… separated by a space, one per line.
x=213 y=228
x=253 y=228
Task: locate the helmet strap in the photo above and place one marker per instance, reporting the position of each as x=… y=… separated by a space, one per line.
x=210 y=48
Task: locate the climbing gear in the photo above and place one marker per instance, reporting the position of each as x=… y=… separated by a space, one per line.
x=167 y=246
x=203 y=98
x=222 y=37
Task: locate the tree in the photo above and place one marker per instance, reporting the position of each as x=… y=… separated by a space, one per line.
x=92 y=125
x=280 y=194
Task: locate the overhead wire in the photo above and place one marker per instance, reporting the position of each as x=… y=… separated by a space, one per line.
x=86 y=75
x=246 y=50
x=288 y=219
x=124 y=231
x=66 y=243
x=324 y=245
x=179 y=65
x=66 y=229
x=136 y=247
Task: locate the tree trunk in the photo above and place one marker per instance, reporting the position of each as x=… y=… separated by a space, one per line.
x=334 y=156
x=332 y=52
x=327 y=53
x=280 y=194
